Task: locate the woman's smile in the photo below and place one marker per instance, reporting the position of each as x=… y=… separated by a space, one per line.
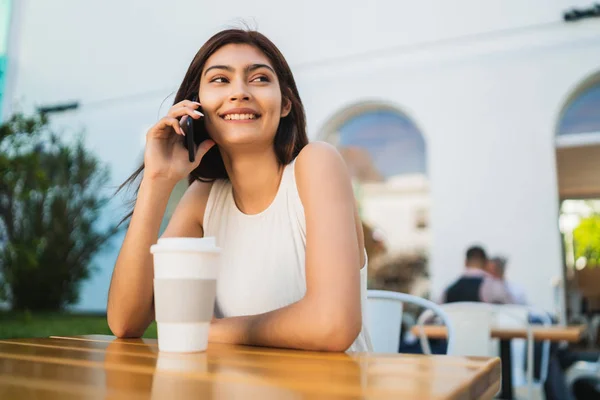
x=240 y=115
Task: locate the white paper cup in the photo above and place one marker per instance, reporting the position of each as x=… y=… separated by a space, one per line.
x=185 y=282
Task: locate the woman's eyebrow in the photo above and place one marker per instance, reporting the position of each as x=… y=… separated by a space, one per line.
x=229 y=68
x=253 y=67
x=224 y=67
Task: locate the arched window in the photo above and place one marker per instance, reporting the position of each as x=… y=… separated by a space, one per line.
x=578 y=171
x=578 y=143
x=582 y=114
x=389 y=139
x=386 y=155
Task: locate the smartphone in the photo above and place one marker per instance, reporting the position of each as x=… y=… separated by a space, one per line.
x=195 y=133
x=188 y=129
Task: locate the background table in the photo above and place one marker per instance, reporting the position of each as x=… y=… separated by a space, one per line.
x=555 y=333
x=101 y=367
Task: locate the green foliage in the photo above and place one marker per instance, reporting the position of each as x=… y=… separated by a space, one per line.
x=44 y=324
x=587 y=239
x=49 y=207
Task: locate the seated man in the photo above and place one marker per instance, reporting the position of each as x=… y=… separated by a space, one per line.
x=497 y=268
x=475 y=284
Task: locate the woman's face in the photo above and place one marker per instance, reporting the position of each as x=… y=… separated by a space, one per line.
x=240 y=96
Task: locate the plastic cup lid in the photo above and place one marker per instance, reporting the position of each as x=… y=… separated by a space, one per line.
x=206 y=244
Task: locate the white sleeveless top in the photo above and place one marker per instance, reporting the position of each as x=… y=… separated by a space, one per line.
x=263 y=254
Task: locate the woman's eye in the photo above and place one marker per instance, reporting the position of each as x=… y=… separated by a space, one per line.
x=219 y=79
x=260 y=79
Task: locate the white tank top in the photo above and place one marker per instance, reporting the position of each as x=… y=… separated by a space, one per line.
x=263 y=254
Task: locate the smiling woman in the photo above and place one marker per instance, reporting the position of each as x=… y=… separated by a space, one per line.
x=293 y=262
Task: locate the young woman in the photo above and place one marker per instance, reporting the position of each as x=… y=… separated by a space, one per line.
x=294 y=266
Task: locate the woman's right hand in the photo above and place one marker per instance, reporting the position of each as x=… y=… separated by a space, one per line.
x=165 y=156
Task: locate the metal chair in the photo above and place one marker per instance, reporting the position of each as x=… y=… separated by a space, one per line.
x=582 y=369
x=473 y=323
x=384 y=317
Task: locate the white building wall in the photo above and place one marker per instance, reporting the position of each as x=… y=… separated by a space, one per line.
x=489 y=122
x=485 y=81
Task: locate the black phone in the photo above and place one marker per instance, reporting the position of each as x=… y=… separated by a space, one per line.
x=188 y=129
x=195 y=133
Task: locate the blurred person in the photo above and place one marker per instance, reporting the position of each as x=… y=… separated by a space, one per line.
x=281 y=209
x=374 y=242
x=476 y=284
x=497 y=268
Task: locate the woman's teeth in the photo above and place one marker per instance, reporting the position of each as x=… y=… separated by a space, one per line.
x=239 y=116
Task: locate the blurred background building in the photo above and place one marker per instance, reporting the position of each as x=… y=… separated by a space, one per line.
x=461 y=122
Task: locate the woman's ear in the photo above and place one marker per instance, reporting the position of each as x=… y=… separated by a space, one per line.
x=286 y=107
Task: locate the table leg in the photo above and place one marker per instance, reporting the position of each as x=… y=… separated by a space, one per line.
x=506 y=391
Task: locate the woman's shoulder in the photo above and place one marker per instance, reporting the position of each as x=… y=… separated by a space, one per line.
x=200 y=190
x=319 y=166
x=199 y=193
x=316 y=155
x=189 y=212
x=319 y=159
x=204 y=192
x=318 y=149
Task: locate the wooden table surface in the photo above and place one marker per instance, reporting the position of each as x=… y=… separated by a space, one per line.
x=555 y=333
x=103 y=367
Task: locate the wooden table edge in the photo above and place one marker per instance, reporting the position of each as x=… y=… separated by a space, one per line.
x=489 y=379
x=492 y=391
x=571 y=334
x=488 y=375
x=265 y=351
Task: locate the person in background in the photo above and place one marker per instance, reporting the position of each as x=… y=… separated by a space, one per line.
x=497 y=268
x=476 y=284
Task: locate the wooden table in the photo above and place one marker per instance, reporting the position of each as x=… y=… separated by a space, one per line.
x=103 y=367
x=554 y=333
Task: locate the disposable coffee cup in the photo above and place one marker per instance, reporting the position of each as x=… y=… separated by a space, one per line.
x=185 y=284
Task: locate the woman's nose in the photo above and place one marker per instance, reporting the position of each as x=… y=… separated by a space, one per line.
x=239 y=91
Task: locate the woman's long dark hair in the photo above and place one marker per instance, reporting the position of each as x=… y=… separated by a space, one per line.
x=291 y=134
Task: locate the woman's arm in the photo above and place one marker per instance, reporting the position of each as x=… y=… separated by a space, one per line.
x=166 y=162
x=329 y=316
x=130 y=300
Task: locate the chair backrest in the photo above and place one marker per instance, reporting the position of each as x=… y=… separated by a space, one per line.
x=384 y=318
x=473 y=323
x=472 y=326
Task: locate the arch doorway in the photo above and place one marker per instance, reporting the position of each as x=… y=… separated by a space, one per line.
x=386 y=155
x=578 y=169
